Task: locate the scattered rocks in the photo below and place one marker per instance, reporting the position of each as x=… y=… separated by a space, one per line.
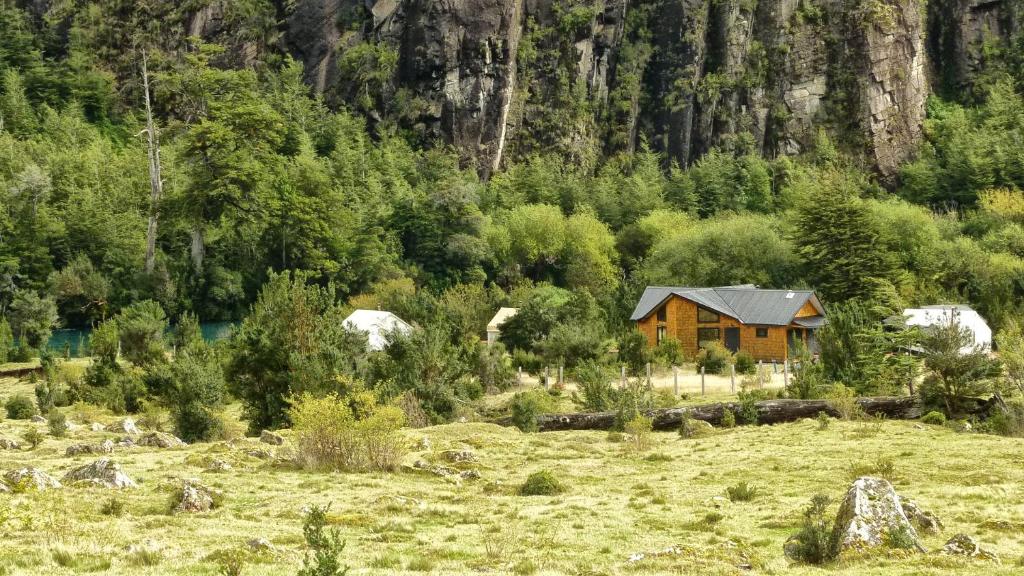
x=125 y=443
x=37 y=419
x=964 y=545
x=871 y=512
x=720 y=501
x=195 y=497
x=268 y=437
x=124 y=426
x=4 y=489
x=105 y=447
x=6 y=444
x=97 y=427
x=261 y=453
x=160 y=440
x=260 y=545
x=459 y=456
x=670 y=551
x=217 y=465
x=923 y=520
x=31 y=479
x=446 y=472
x=103 y=472
x=424 y=444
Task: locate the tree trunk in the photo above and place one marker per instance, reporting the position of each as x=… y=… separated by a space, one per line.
x=768 y=412
x=155 y=183
x=198 y=250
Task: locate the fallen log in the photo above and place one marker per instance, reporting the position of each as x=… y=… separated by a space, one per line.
x=768 y=412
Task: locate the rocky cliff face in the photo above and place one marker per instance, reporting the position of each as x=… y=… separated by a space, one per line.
x=501 y=79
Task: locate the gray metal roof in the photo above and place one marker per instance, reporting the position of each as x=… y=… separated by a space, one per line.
x=748 y=304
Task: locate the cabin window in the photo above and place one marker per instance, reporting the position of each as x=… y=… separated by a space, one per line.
x=707 y=335
x=661 y=334
x=762 y=332
x=662 y=314
x=706 y=316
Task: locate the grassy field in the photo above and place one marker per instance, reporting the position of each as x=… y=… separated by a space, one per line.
x=617 y=504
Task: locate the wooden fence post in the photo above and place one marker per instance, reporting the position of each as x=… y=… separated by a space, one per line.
x=622 y=377
x=561 y=374
x=648 y=372
x=519 y=377
x=675 y=380
x=775 y=367
x=785 y=373
x=760 y=374
x=547 y=377
x=701 y=380
x=732 y=378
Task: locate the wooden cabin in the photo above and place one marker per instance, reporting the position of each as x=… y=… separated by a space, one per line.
x=765 y=323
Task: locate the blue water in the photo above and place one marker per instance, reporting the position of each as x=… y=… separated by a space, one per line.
x=76 y=341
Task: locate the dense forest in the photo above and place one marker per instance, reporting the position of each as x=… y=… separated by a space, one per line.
x=261 y=174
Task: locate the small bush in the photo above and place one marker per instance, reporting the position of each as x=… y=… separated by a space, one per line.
x=420 y=564
x=728 y=418
x=34 y=438
x=712 y=518
x=542 y=483
x=639 y=431
x=813 y=543
x=745 y=363
x=881 y=468
x=596 y=392
x=823 y=420
x=742 y=492
x=669 y=352
x=844 y=401
x=114 y=506
x=527 y=406
x=326 y=545
x=20 y=407
x=714 y=358
x=330 y=437
x=900 y=538
x=934 y=417
x=615 y=437
x=58 y=423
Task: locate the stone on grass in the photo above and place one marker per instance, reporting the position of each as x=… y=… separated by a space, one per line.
x=261 y=453
x=105 y=447
x=260 y=545
x=160 y=440
x=37 y=419
x=4 y=489
x=693 y=428
x=459 y=456
x=217 y=465
x=268 y=437
x=194 y=497
x=964 y=545
x=870 y=515
x=6 y=444
x=97 y=427
x=424 y=444
x=923 y=520
x=31 y=479
x=103 y=472
x=124 y=426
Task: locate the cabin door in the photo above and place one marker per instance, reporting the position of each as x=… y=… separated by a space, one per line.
x=732 y=339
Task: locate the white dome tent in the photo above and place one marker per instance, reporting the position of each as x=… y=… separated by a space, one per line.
x=945 y=314
x=377 y=325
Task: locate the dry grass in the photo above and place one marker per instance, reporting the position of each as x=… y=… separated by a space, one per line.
x=615 y=505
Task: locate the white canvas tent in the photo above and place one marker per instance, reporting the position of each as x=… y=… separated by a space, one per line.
x=943 y=315
x=377 y=325
x=494 y=326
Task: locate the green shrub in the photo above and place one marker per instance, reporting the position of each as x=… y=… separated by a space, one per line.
x=669 y=352
x=34 y=437
x=742 y=492
x=141 y=328
x=639 y=431
x=197 y=393
x=934 y=417
x=20 y=407
x=596 y=393
x=541 y=483
x=813 y=544
x=844 y=401
x=900 y=538
x=881 y=468
x=728 y=418
x=58 y=423
x=745 y=363
x=329 y=435
x=325 y=545
x=615 y=437
x=823 y=420
x=528 y=361
x=113 y=506
x=420 y=564
x=714 y=358
x=527 y=406
x=633 y=400
x=633 y=352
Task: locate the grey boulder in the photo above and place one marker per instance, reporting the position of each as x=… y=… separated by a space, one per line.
x=103 y=472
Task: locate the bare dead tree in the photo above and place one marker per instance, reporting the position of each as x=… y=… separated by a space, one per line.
x=155 y=183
